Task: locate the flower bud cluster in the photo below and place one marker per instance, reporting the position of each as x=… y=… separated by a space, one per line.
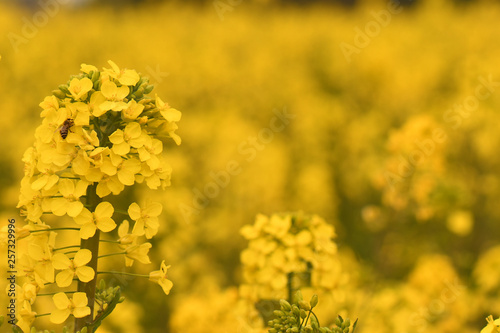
x=298 y=317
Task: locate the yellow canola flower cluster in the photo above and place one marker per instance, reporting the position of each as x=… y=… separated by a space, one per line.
x=99 y=128
x=285 y=248
x=100 y=132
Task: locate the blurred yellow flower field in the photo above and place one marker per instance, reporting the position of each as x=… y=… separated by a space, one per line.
x=348 y=153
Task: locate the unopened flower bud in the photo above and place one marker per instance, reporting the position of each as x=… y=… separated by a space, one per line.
x=314 y=300
x=59 y=94
x=305 y=305
x=285 y=305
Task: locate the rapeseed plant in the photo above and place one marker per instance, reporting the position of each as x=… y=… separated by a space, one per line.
x=100 y=132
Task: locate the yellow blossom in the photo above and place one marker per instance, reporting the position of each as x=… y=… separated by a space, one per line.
x=73 y=267
x=26 y=293
x=26 y=317
x=96 y=100
x=114 y=96
x=125 y=238
x=79 y=88
x=77 y=306
x=43 y=257
x=88 y=68
x=70 y=202
x=160 y=277
x=128 y=77
x=166 y=111
x=132 y=111
x=131 y=136
x=493 y=325
x=137 y=252
x=146 y=218
x=100 y=219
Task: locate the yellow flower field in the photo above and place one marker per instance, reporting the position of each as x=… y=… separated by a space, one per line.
x=348 y=153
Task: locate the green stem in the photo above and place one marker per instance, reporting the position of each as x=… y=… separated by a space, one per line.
x=305 y=322
x=121 y=212
x=123 y=273
x=316 y=318
x=290 y=287
x=52 y=294
x=42 y=315
x=111 y=254
x=91 y=244
x=109 y=241
x=52 y=229
x=66 y=247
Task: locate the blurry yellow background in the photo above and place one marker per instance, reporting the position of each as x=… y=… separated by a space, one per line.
x=404 y=243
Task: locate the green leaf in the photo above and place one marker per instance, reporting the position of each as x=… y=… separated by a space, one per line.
x=111 y=306
x=354 y=325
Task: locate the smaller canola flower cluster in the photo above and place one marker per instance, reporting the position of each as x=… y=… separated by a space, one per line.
x=284 y=245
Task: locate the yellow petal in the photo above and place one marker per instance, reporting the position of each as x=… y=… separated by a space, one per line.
x=171 y=114
x=58 y=206
x=133 y=130
x=66 y=187
x=61 y=301
x=87 y=230
x=59 y=316
x=121 y=149
x=123 y=228
x=35 y=251
x=126 y=176
x=151 y=230
x=121 y=93
x=74 y=208
x=108 y=168
x=153 y=209
x=80 y=300
x=108 y=89
x=80 y=164
x=84 y=217
x=116 y=137
x=61 y=261
x=134 y=211
x=129 y=77
x=104 y=209
x=85 y=273
x=102 y=190
x=38 y=184
x=138 y=228
x=115 y=67
x=106 y=224
x=82 y=257
x=81 y=312
x=65 y=278
x=88 y=68
x=166 y=285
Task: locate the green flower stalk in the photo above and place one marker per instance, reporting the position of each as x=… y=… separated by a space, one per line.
x=100 y=132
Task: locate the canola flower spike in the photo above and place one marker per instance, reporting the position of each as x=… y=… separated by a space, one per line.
x=99 y=133
x=287 y=244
